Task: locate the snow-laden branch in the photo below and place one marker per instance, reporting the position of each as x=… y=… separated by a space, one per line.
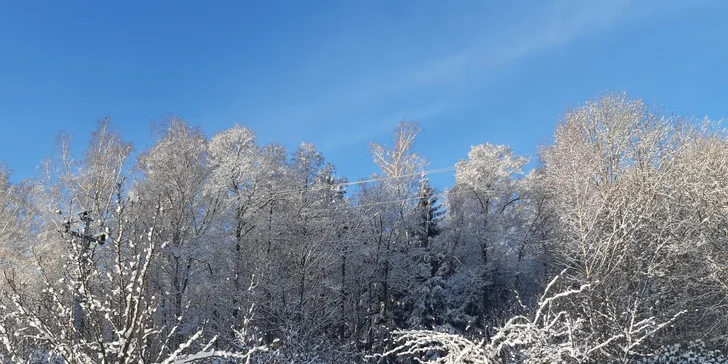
x=550 y=335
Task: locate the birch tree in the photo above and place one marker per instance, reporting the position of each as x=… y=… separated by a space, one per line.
x=175 y=171
x=394 y=248
x=610 y=176
x=483 y=208
x=17 y=214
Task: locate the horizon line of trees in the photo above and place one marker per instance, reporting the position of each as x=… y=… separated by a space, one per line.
x=614 y=248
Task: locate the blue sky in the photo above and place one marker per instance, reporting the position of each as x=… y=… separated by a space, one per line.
x=342 y=73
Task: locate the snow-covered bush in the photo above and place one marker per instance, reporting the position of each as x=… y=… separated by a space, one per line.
x=552 y=334
x=693 y=352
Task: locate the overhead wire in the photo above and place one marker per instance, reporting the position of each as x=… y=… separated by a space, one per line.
x=376 y=179
x=371 y=180
x=379 y=203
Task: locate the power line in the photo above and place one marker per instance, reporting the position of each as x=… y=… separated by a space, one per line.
x=378 y=179
x=345 y=184
x=379 y=203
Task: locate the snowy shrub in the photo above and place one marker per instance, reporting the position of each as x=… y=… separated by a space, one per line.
x=693 y=352
x=550 y=335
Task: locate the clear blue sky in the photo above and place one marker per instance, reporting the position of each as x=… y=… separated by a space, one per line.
x=341 y=73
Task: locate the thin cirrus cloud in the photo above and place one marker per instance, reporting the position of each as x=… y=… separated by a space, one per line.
x=370 y=103
x=527 y=32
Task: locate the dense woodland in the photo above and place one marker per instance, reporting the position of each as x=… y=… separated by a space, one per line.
x=613 y=248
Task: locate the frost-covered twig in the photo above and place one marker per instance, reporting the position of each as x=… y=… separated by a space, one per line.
x=437 y=347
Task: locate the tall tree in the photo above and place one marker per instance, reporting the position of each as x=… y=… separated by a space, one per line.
x=175 y=171
x=17 y=221
x=393 y=200
x=427 y=214
x=237 y=178
x=610 y=176
x=483 y=207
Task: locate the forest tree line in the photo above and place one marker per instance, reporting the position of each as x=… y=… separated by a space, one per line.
x=613 y=248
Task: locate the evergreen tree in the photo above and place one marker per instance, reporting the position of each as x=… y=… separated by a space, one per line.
x=427 y=214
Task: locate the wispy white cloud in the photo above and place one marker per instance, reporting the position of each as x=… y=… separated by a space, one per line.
x=362 y=132
x=526 y=31
x=431 y=83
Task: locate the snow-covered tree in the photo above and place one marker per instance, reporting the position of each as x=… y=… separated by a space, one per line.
x=621 y=218
x=237 y=178
x=17 y=225
x=175 y=171
x=394 y=247
x=222 y=250
x=484 y=228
